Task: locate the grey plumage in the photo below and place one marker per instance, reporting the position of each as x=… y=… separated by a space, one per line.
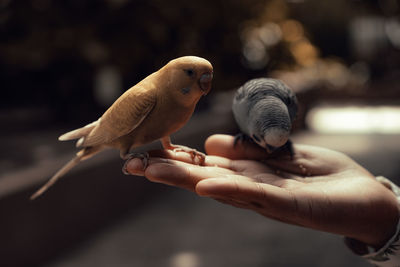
x=264 y=110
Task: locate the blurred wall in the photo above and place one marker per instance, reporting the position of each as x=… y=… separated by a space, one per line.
x=54 y=55
x=52 y=51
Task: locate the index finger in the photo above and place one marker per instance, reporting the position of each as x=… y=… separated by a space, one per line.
x=175 y=172
x=210 y=160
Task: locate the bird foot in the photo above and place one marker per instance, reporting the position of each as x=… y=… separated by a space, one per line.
x=288 y=149
x=240 y=138
x=197 y=157
x=144 y=156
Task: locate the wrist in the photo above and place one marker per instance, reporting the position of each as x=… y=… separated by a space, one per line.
x=381 y=232
x=381 y=246
x=383 y=225
x=392 y=218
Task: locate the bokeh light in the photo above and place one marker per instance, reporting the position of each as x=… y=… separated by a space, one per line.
x=355 y=119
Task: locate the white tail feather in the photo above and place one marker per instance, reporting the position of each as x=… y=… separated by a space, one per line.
x=78 y=133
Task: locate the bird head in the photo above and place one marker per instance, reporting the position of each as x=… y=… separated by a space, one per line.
x=270 y=123
x=271 y=139
x=188 y=78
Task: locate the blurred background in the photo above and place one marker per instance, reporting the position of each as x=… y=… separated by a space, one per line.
x=62 y=63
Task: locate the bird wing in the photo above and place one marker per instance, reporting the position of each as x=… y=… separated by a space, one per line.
x=127 y=113
x=292 y=105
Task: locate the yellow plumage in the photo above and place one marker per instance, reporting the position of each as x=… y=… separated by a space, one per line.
x=153 y=109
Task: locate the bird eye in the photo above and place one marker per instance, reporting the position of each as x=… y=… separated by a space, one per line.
x=189 y=72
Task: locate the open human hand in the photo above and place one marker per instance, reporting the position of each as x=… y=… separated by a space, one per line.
x=319 y=188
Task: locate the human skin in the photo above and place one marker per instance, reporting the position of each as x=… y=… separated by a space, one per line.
x=318 y=188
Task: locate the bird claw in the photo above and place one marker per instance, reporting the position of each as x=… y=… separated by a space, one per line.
x=201 y=157
x=288 y=148
x=285 y=149
x=240 y=138
x=145 y=160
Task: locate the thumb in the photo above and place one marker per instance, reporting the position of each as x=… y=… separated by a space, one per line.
x=224 y=146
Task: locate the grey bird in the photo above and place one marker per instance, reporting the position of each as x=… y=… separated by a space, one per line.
x=264 y=110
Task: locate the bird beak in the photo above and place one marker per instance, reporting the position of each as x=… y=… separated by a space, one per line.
x=270 y=148
x=205 y=82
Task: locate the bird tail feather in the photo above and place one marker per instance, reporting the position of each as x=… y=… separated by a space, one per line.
x=79 y=133
x=80 y=156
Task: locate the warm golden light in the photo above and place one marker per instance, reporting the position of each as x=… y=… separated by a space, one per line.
x=292 y=30
x=355 y=119
x=304 y=52
x=185 y=259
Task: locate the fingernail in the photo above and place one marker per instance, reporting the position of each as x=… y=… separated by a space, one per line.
x=133 y=167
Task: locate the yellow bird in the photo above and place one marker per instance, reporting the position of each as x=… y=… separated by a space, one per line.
x=156 y=107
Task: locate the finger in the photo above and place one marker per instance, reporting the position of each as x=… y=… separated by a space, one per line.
x=186 y=157
x=135 y=167
x=174 y=172
x=224 y=146
x=311 y=161
x=274 y=202
x=306 y=161
x=242 y=166
x=235 y=203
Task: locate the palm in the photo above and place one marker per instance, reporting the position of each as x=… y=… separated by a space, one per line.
x=318 y=188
